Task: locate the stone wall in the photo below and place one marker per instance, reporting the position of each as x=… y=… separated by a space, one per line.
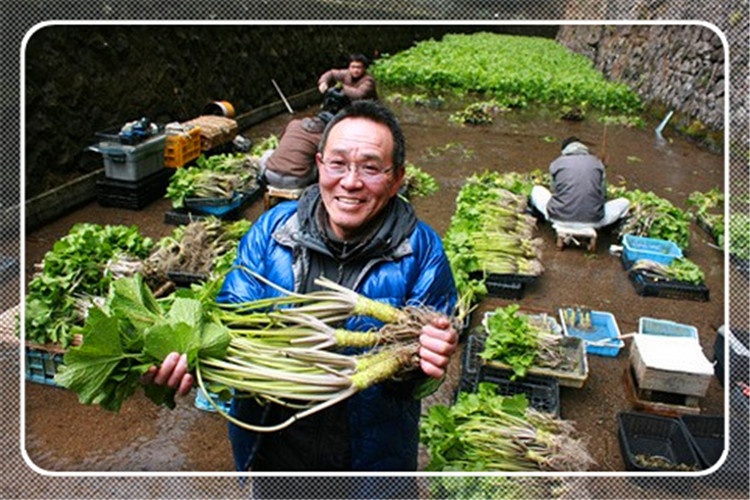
x=84 y=79
x=672 y=67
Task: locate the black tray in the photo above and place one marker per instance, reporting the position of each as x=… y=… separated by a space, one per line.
x=654 y=435
x=543 y=393
x=669 y=289
x=706 y=436
x=505 y=290
x=133 y=195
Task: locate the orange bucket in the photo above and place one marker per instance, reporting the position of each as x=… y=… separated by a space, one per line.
x=219 y=108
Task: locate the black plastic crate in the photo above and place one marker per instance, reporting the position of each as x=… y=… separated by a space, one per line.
x=654 y=436
x=133 y=195
x=706 y=436
x=646 y=286
x=543 y=393
x=502 y=290
x=470 y=362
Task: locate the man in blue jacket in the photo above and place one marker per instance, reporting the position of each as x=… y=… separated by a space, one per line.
x=354 y=229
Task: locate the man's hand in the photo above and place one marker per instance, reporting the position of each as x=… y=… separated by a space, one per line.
x=172 y=373
x=438 y=342
x=323 y=87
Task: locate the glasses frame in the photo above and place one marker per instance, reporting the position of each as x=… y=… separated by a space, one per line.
x=357 y=169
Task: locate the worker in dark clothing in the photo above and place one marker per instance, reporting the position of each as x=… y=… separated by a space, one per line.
x=579 y=190
x=354 y=81
x=292 y=164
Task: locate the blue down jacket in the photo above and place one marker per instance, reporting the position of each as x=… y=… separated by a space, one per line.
x=384 y=432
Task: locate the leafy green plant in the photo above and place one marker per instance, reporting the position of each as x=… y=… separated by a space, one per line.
x=653 y=216
x=739 y=235
x=270 y=142
x=417 y=182
x=477 y=113
x=704 y=206
x=76 y=267
x=515 y=70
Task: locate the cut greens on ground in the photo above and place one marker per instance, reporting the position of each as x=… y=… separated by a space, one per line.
x=484 y=431
x=80 y=265
x=491 y=233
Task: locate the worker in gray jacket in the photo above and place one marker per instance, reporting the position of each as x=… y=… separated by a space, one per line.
x=579 y=190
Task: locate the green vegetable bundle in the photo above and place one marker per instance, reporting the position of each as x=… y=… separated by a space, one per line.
x=520 y=341
x=681 y=269
x=82 y=263
x=218 y=176
x=417 y=182
x=489 y=432
x=283 y=349
x=490 y=233
x=653 y=217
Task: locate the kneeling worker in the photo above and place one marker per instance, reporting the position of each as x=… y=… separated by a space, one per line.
x=579 y=190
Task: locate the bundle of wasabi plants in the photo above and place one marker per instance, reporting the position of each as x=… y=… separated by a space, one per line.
x=285 y=349
x=491 y=233
x=485 y=431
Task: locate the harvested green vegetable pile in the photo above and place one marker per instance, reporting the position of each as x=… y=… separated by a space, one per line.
x=489 y=432
x=82 y=263
x=490 y=233
x=653 y=217
x=222 y=176
x=520 y=341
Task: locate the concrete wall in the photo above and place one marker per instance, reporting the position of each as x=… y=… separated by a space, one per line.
x=84 y=79
x=678 y=68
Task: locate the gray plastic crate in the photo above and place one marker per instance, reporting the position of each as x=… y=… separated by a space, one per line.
x=132 y=162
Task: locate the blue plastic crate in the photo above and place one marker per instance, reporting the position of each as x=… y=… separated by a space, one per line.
x=214 y=206
x=202 y=403
x=41 y=365
x=640 y=247
x=603 y=326
x=666 y=327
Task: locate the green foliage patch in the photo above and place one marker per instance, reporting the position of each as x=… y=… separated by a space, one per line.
x=515 y=70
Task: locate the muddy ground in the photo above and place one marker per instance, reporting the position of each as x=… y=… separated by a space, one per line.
x=62 y=435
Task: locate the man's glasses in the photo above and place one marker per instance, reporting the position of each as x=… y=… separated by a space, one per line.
x=339 y=168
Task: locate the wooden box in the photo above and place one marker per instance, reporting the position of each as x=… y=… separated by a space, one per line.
x=214 y=130
x=670 y=364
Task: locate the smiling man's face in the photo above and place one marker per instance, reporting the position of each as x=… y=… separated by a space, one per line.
x=353 y=199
